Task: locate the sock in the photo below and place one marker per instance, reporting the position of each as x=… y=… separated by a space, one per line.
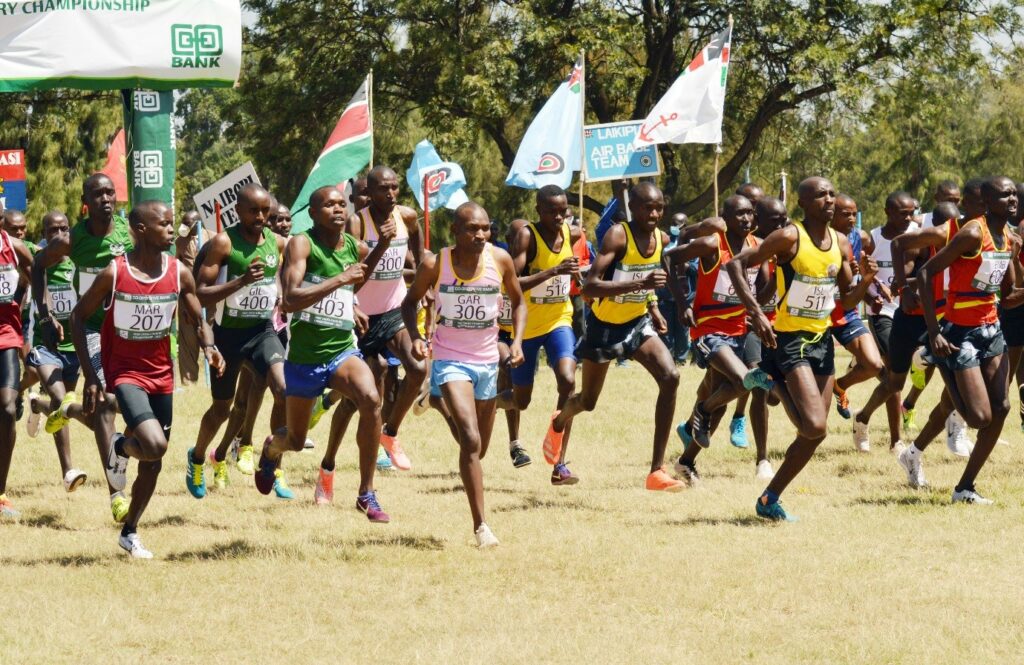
x=119 y=447
x=907 y=407
x=220 y=456
x=128 y=529
x=326 y=401
x=513 y=444
x=328 y=469
x=193 y=458
x=771 y=496
x=960 y=487
x=738 y=416
x=389 y=432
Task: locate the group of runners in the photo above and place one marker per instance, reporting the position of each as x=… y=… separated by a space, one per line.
x=327 y=317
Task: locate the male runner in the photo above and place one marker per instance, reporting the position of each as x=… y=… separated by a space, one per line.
x=142 y=289
x=546 y=266
x=624 y=322
x=506 y=326
x=467 y=280
x=811 y=259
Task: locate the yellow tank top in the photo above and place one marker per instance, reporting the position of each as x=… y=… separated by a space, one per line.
x=547 y=304
x=807 y=285
x=633 y=267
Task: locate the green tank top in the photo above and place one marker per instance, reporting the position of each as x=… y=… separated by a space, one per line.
x=250 y=305
x=26 y=309
x=60 y=299
x=91 y=255
x=324 y=329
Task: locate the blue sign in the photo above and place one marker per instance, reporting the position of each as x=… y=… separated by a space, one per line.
x=610 y=155
x=13 y=193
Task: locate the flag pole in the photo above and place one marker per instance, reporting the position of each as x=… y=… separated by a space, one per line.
x=718 y=151
x=426 y=214
x=369 y=106
x=782 y=194
x=583 y=124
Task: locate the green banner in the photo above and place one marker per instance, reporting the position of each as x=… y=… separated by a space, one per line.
x=150 y=147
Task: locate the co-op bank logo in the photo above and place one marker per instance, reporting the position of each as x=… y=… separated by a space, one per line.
x=196 y=46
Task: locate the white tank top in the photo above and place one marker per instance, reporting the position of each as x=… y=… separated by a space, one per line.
x=883 y=256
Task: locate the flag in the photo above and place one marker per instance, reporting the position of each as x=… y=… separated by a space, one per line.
x=693 y=107
x=445 y=180
x=345 y=154
x=116 y=168
x=551 y=148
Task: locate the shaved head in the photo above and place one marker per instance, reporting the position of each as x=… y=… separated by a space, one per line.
x=469 y=210
x=808 y=186
x=644 y=192
x=734 y=203
x=379 y=174
x=752 y=192
x=147 y=211
x=320 y=194
x=96 y=179
x=251 y=193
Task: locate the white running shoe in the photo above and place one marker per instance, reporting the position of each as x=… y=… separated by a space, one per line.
x=233 y=449
x=309 y=444
x=117 y=466
x=74 y=479
x=133 y=546
x=970 y=496
x=898 y=448
x=484 y=537
x=1002 y=442
x=910 y=460
x=764 y=470
x=861 y=440
x=34 y=418
x=422 y=403
x=957 y=440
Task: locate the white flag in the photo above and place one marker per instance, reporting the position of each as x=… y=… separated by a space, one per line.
x=692 y=109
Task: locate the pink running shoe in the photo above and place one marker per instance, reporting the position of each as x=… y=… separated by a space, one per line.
x=394 y=448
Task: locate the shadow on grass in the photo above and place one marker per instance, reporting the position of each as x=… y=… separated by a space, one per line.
x=744 y=520
x=445 y=475
x=458 y=489
x=234 y=549
x=536 y=503
x=421 y=543
x=911 y=500
x=68 y=561
x=46 y=521
x=169 y=520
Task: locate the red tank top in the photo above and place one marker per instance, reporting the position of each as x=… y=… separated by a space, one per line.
x=582 y=252
x=839 y=314
x=974 y=280
x=135 y=341
x=10 y=309
x=769 y=307
x=716 y=307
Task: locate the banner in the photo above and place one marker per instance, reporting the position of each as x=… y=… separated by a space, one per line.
x=610 y=155
x=114 y=44
x=445 y=180
x=225 y=192
x=13 y=193
x=116 y=166
x=151 y=153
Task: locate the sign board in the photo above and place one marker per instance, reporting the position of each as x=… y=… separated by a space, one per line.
x=224 y=191
x=13 y=193
x=115 y=44
x=610 y=155
x=152 y=155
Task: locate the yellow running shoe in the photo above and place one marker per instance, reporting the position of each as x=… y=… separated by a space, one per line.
x=319 y=409
x=56 y=421
x=220 y=471
x=119 y=507
x=245 y=462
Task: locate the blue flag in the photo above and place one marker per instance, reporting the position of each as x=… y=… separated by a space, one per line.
x=551 y=148
x=445 y=180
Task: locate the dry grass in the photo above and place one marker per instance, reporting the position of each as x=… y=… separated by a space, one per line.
x=604 y=572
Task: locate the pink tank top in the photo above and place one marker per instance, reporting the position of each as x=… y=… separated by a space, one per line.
x=385 y=289
x=467 y=312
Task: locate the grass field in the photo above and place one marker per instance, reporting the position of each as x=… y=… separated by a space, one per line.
x=603 y=572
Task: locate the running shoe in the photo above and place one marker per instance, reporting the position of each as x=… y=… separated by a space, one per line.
x=367 y=503
x=57 y=420
x=897 y=448
x=842 y=402
x=309 y=444
x=687 y=472
x=738 y=432
x=553 y=441
x=969 y=495
x=74 y=479
x=281 y=488
x=701 y=426
x=133 y=546
x=244 y=461
x=918 y=379
x=118 y=506
x=684 y=434
x=265 y=476
x=195 y=480
x=485 y=537
x=233 y=448
x=758 y=378
x=383 y=460
x=117 y=465
x=422 y=403
x=323 y=495
x=519 y=456
x=221 y=480
x=319 y=409
x=561 y=475
x=910 y=460
x=764 y=470
x=957 y=440
x=660 y=481
x=32 y=426
x=909 y=419
x=7 y=510
x=394 y=448
x=861 y=439
x=773 y=512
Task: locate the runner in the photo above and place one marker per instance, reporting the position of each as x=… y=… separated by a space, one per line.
x=544 y=260
x=811 y=260
x=624 y=322
x=1012 y=320
x=322 y=267
x=467 y=279
x=142 y=288
x=968 y=347
x=15 y=264
x=92 y=244
x=506 y=324
x=283 y=227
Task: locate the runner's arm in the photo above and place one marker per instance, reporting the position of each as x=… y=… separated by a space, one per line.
x=966 y=241
x=1012 y=291
x=613 y=248
x=780 y=244
x=295 y=297
x=98 y=293
x=521 y=253
x=852 y=295
x=48 y=256
x=515 y=294
x=416 y=238
x=706 y=227
x=209 y=292
x=194 y=313
x=426 y=277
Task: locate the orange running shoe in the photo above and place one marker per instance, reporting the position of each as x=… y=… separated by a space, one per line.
x=661 y=481
x=553 y=441
x=323 y=495
x=394 y=448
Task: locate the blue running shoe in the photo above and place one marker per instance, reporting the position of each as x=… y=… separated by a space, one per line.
x=773 y=512
x=738 y=432
x=281 y=488
x=683 y=430
x=758 y=378
x=266 y=476
x=383 y=460
x=194 y=480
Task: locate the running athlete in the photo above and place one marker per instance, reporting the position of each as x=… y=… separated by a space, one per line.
x=968 y=347
x=467 y=280
x=624 y=322
x=544 y=260
x=394 y=228
x=16 y=226
x=321 y=270
x=141 y=289
x=506 y=324
x=92 y=244
x=15 y=264
x=238 y=275
x=811 y=259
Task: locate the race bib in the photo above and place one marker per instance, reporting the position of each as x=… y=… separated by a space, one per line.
x=505 y=316
x=139 y=317
x=8 y=283
x=811 y=297
x=725 y=292
x=555 y=290
x=334 y=310
x=255 y=301
x=86 y=276
x=633 y=273
x=61 y=299
x=467 y=307
x=392 y=263
x=991 y=271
